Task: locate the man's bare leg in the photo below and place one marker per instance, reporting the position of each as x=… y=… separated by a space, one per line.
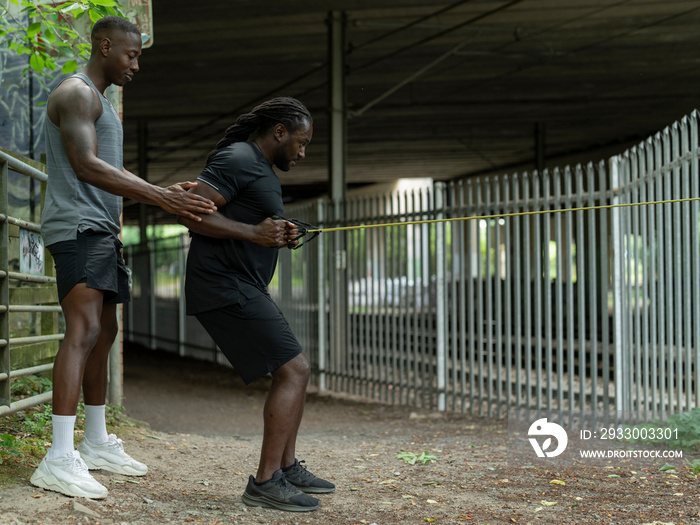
x=82 y=308
x=95 y=374
x=289 y=453
x=95 y=377
x=62 y=470
x=280 y=454
x=284 y=404
x=282 y=415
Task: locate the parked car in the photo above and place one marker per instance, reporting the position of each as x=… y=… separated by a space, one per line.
x=393 y=291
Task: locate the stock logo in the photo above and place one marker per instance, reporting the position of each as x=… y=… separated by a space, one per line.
x=542 y=428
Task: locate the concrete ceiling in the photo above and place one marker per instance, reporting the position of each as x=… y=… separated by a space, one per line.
x=468 y=82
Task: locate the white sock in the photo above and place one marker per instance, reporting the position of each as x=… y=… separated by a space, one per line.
x=63 y=427
x=95 y=425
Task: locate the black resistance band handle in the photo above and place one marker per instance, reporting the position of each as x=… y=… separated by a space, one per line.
x=303 y=228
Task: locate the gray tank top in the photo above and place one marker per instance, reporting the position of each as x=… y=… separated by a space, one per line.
x=71 y=205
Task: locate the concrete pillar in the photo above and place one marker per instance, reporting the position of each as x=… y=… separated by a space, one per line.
x=337 y=22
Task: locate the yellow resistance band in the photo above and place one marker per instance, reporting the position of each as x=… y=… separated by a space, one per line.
x=517 y=214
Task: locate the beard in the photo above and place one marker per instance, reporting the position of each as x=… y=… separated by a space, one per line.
x=285 y=164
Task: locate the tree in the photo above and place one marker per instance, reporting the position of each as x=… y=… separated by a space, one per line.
x=51 y=32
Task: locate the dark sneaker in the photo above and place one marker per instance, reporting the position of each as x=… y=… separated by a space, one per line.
x=277 y=493
x=301 y=478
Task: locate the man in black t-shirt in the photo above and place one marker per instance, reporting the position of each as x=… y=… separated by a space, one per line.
x=231 y=261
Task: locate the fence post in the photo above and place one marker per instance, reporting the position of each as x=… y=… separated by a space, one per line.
x=151 y=247
x=440 y=297
x=285 y=275
x=4 y=290
x=322 y=319
x=116 y=389
x=130 y=306
x=181 y=310
x=617 y=267
x=694 y=151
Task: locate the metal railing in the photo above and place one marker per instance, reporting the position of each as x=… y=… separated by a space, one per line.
x=7 y=374
x=582 y=309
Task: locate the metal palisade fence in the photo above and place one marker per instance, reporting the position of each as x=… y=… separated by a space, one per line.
x=569 y=289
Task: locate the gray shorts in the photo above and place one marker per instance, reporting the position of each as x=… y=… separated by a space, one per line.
x=94 y=258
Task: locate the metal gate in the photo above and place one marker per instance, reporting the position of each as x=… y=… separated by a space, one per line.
x=43 y=343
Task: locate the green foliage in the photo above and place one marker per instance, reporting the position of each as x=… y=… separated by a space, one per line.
x=409 y=457
x=52 y=34
x=684 y=429
x=29 y=386
x=24 y=436
x=694 y=466
x=8 y=447
x=688 y=425
x=131 y=235
x=37 y=422
x=114 y=416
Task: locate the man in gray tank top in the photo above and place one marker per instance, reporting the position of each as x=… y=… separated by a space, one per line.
x=81 y=226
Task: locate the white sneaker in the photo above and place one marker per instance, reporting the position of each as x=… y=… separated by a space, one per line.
x=110 y=456
x=68 y=475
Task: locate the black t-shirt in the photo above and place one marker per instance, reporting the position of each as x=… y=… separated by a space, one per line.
x=217 y=269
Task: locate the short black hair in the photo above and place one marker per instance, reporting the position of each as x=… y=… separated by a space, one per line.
x=110 y=23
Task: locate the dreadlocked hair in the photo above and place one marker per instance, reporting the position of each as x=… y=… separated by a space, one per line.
x=281 y=110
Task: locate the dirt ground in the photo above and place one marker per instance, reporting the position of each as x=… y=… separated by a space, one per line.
x=202 y=439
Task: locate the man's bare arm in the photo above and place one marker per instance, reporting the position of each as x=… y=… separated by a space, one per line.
x=270 y=233
x=77 y=108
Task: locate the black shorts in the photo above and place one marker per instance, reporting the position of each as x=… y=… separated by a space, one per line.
x=94 y=258
x=252 y=333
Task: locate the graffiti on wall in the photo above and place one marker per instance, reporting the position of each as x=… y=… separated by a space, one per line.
x=32 y=253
